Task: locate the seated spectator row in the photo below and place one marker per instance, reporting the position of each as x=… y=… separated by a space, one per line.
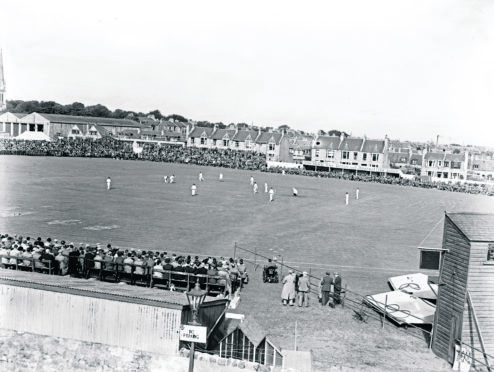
x=135 y=267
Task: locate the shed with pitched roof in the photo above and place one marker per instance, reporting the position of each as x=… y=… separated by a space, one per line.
x=247 y=340
x=465 y=303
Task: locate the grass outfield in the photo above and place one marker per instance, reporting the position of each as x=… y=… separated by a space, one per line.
x=368 y=241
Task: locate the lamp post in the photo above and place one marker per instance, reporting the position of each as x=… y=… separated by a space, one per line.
x=195 y=297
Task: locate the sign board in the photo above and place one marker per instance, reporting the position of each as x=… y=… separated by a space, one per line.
x=193 y=333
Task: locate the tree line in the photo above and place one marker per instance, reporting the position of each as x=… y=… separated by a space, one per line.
x=79 y=109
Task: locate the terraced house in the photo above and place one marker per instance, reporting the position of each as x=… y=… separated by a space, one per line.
x=445 y=166
x=349 y=154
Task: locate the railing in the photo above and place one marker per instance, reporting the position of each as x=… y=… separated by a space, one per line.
x=127 y=272
x=20 y=264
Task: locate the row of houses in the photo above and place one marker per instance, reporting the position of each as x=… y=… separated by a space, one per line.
x=325 y=153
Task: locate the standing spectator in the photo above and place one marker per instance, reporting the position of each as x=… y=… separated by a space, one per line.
x=288 y=291
x=63 y=263
x=303 y=289
x=337 y=289
x=326 y=284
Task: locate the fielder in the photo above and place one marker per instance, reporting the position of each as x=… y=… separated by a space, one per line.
x=295 y=191
x=108 y=183
x=193 y=189
x=172 y=178
x=346 y=198
x=356 y=193
x=251 y=181
x=201 y=177
x=255 y=187
x=271 y=194
x=165 y=178
x=221 y=177
x=265 y=187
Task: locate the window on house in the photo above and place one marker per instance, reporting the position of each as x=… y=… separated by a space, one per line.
x=247 y=144
x=414 y=161
x=93 y=133
x=203 y=140
x=272 y=146
x=330 y=154
x=32 y=127
x=439 y=163
x=490 y=252
x=364 y=156
x=192 y=140
x=226 y=142
x=475 y=166
x=403 y=160
x=445 y=175
x=446 y=164
x=76 y=131
x=355 y=155
x=40 y=127
x=375 y=157
x=431 y=163
x=237 y=144
x=346 y=155
x=429 y=173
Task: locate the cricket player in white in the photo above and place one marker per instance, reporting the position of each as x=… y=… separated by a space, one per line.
x=295 y=191
x=108 y=183
x=201 y=177
x=165 y=178
x=271 y=194
x=356 y=193
x=255 y=187
x=346 y=198
x=265 y=187
x=221 y=177
x=172 y=178
x=251 y=181
x=193 y=189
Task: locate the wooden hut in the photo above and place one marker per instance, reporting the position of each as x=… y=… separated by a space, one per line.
x=247 y=340
x=464 y=319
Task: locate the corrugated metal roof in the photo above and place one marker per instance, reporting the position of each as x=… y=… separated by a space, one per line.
x=94 y=288
x=69 y=119
x=476 y=226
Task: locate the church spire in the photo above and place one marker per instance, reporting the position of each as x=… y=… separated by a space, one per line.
x=3 y=104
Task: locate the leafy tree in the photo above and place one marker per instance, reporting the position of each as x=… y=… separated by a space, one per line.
x=176 y=118
x=156 y=113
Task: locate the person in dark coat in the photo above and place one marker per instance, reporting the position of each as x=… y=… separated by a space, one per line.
x=337 y=289
x=73 y=262
x=326 y=284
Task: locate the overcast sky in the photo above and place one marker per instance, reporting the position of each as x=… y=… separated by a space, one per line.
x=408 y=69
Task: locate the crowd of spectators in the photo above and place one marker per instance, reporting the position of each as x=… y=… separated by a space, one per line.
x=108 y=147
x=80 y=261
x=391 y=180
